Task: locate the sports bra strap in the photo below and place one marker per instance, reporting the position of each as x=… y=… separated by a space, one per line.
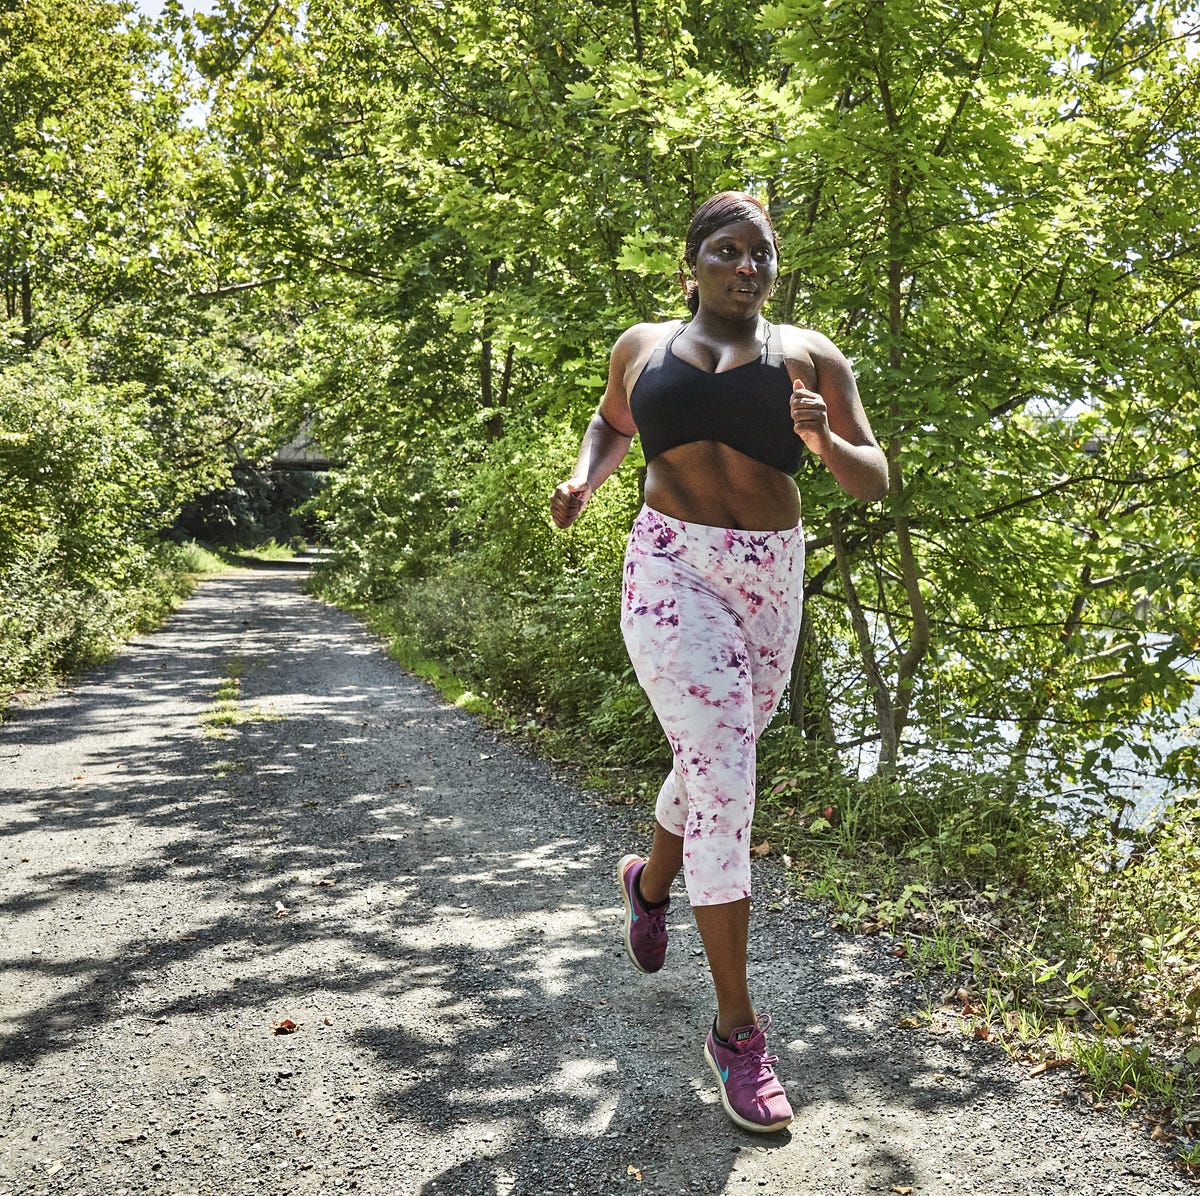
x=772 y=350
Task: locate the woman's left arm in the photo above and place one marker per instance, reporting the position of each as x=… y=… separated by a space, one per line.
x=831 y=421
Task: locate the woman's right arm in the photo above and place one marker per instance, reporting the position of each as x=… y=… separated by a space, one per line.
x=607 y=438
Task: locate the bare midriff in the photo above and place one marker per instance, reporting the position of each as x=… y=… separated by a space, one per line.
x=711 y=483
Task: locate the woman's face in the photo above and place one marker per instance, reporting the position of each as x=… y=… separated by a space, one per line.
x=736 y=268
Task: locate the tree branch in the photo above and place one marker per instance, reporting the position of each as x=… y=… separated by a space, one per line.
x=234 y=287
x=254 y=40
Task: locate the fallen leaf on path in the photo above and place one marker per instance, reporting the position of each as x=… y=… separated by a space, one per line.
x=281 y=910
x=287 y=1026
x=632 y=1170
x=902 y=1189
x=1046 y=1065
x=984 y=1032
x=1158 y=1134
x=900 y=951
x=763 y=849
x=909 y=1023
x=326 y=882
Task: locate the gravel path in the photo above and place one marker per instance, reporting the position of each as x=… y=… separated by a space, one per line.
x=188 y=866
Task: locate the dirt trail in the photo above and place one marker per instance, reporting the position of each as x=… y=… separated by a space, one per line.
x=253 y=817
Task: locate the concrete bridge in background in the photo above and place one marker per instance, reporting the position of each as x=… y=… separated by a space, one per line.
x=303 y=452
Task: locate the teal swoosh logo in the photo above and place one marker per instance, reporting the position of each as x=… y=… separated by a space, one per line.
x=723 y=1072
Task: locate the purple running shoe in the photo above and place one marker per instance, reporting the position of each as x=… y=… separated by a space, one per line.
x=750 y=1091
x=645 y=929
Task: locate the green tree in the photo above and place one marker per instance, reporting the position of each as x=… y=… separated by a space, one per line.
x=992 y=208
x=979 y=195
x=124 y=388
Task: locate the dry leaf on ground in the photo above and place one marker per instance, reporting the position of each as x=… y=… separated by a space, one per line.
x=1046 y=1065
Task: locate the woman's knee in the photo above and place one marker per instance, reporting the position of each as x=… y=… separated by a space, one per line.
x=671 y=807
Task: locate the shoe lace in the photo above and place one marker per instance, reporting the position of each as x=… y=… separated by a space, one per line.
x=752 y=1067
x=656 y=919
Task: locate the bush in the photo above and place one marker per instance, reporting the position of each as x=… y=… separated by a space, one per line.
x=83 y=494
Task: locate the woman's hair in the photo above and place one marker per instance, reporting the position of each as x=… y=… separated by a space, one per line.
x=727 y=207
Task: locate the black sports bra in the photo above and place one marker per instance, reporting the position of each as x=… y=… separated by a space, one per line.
x=747 y=407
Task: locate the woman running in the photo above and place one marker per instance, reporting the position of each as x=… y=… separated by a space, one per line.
x=725 y=404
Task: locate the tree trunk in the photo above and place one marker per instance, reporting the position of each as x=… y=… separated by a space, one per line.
x=487 y=387
x=27 y=308
x=918 y=646
x=884 y=707
x=809 y=710
x=638 y=51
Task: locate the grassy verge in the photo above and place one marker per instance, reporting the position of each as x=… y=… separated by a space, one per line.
x=198 y=559
x=53 y=628
x=1057 y=948
x=56 y=624
x=195 y=560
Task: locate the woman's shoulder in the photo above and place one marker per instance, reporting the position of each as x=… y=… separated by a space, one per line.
x=638 y=336
x=815 y=360
x=806 y=343
x=635 y=345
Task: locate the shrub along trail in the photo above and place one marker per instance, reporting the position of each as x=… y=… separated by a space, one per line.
x=278 y=919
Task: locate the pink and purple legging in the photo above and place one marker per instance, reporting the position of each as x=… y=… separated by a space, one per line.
x=710 y=617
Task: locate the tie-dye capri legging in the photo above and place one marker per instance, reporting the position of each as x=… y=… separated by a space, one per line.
x=710 y=617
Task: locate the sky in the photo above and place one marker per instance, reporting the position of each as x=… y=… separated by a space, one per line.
x=153 y=8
